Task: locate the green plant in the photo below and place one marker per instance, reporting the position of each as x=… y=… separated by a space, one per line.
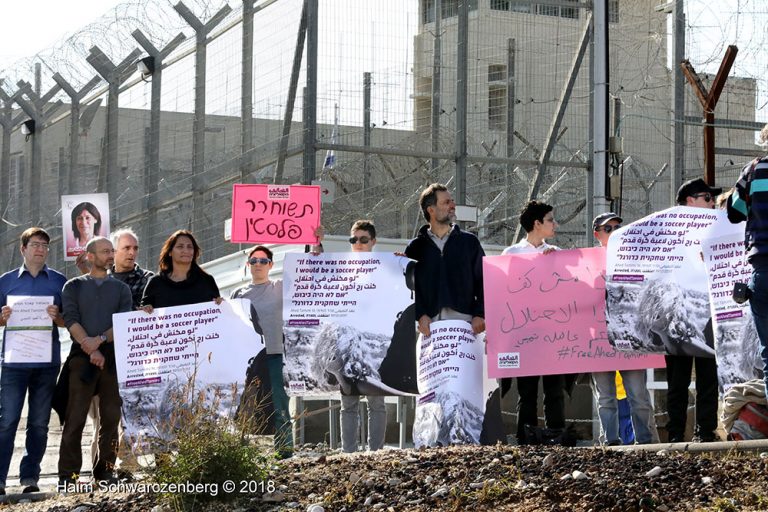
x=207 y=449
x=724 y=505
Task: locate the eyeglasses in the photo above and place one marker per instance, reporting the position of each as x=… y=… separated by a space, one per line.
x=260 y=261
x=363 y=239
x=706 y=195
x=608 y=228
x=38 y=245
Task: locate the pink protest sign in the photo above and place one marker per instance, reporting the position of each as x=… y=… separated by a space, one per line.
x=545 y=314
x=275 y=214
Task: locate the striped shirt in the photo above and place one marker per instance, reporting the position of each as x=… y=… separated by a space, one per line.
x=750 y=202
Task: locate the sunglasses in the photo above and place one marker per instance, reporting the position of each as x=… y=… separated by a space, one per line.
x=363 y=239
x=706 y=195
x=608 y=228
x=260 y=261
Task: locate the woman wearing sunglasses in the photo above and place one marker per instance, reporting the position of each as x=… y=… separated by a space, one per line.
x=266 y=297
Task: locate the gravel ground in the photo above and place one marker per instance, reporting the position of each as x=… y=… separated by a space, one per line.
x=484 y=478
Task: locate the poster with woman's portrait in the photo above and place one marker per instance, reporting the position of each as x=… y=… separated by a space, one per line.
x=84 y=217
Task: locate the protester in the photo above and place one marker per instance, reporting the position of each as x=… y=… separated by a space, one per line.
x=125 y=269
x=266 y=297
x=32 y=278
x=538 y=221
x=749 y=202
x=180 y=280
x=362 y=239
x=89 y=301
x=694 y=193
x=449 y=268
x=635 y=381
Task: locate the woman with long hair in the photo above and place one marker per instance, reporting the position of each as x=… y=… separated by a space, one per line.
x=180 y=280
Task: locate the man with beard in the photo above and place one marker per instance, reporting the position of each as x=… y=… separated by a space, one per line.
x=449 y=268
x=89 y=301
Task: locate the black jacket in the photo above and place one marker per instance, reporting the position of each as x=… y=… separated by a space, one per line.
x=452 y=279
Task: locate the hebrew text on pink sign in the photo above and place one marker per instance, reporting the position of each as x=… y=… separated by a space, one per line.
x=275 y=214
x=545 y=314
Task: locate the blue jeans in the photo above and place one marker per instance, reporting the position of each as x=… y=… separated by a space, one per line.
x=635 y=384
x=759 y=306
x=14 y=383
x=282 y=416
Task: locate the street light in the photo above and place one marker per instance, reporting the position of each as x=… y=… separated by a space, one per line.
x=146 y=66
x=28 y=127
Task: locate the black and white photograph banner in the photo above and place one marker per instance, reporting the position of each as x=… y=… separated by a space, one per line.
x=349 y=325
x=457 y=404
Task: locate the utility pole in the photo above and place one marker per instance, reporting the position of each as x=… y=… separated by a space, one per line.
x=678 y=101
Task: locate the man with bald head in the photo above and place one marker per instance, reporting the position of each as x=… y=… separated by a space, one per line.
x=89 y=301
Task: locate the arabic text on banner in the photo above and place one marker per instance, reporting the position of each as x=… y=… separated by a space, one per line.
x=451 y=407
x=737 y=346
x=657 y=285
x=159 y=355
x=545 y=314
x=349 y=324
x=29 y=331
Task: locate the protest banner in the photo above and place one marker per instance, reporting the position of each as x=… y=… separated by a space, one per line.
x=83 y=217
x=160 y=356
x=454 y=406
x=29 y=330
x=737 y=346
x=349 y=324
x=545 y=314
x=657 y=284
x=275 y=214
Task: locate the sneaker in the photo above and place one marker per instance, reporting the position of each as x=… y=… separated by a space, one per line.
x=30 y=488
x=676 y=439
x=705 y=438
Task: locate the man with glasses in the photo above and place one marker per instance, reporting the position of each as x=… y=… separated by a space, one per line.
x=635 y=381
x=266 y=297
x=695 y=193
x=89 y=301
x=32 y=278
x=362 y=239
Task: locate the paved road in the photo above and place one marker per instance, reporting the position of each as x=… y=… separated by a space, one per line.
x=49 y=475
